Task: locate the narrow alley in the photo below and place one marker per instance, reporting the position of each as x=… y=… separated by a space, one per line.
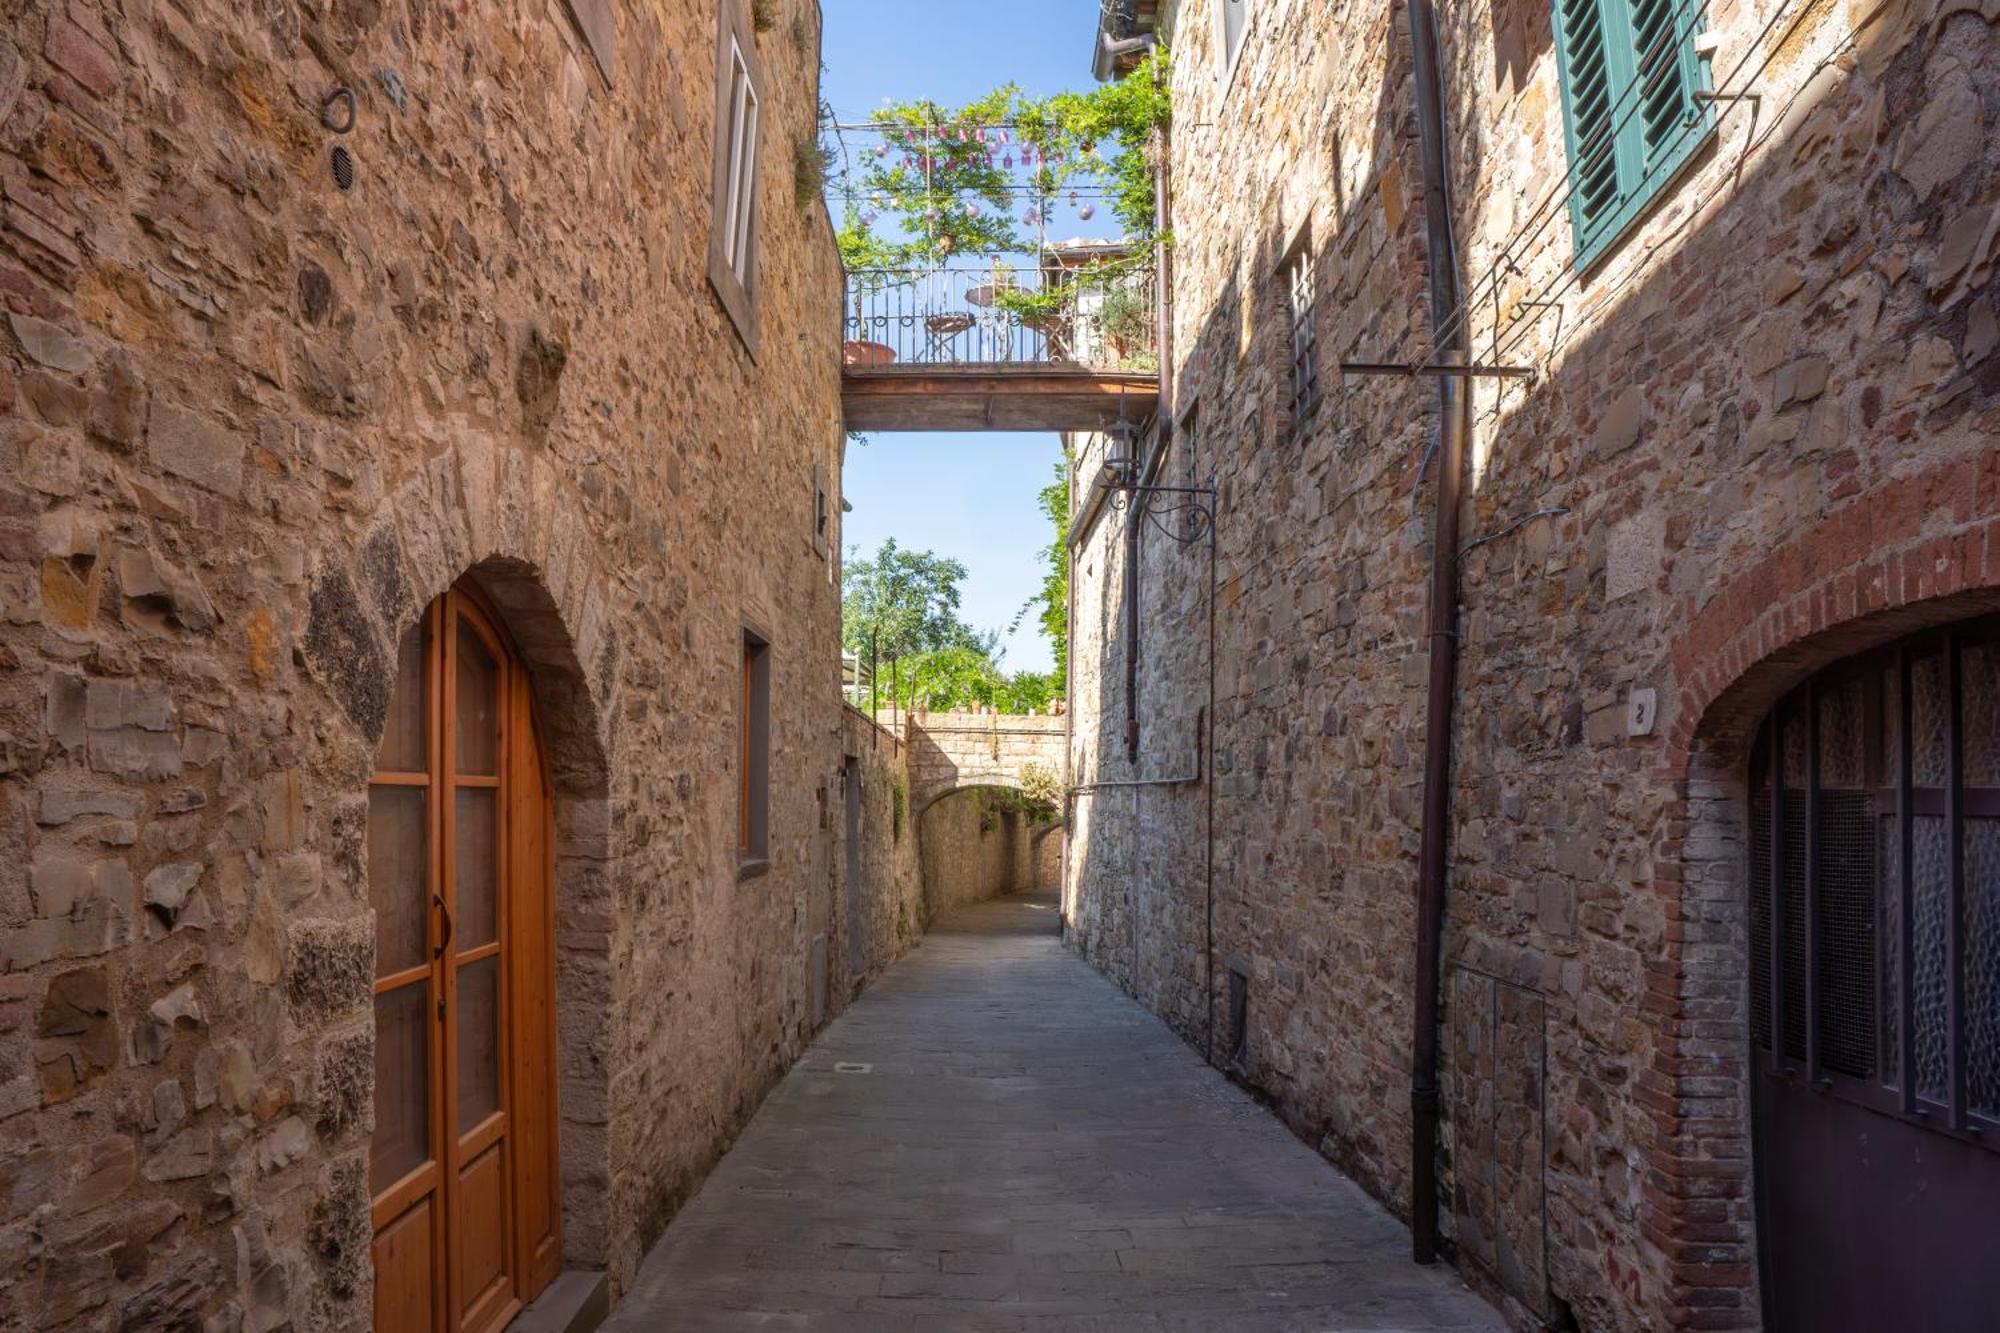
x=575 y=573
x=996 y=1138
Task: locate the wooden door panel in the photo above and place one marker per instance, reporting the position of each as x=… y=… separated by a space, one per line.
x=406 y=1267
x=463 y=1163
x=532 y=1117
x=480 y=1228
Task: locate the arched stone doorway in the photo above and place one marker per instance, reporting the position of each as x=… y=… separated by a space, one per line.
x=1792 y=890
x=983 y=841
x=463 y=1164
x=1873 y=872
x=1894 y=564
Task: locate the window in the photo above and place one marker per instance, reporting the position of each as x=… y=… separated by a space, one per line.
x=1630 y=77
x=753 y=766
x=1874 y=876
x=594 y=23
x=1231 y=16
x=1297 y=276
x=1239 y=1018
x=822 y=514
x=732 y=250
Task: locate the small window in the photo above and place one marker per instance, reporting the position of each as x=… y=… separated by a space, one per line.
x=1874 y=881
x=822 y=514
x=1239 y=1018
x=594 y=23
x=732 y=251
x=753 y=806
x=1231 y=16
x=1630 y=79
x=1297 y=276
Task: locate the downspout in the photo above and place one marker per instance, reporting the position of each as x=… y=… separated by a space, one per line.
x=1163 y=418
x=1454 y=421
x=1069 y=695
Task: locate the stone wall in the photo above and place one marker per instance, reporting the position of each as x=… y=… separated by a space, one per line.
x=253 y=422
x=975 y=847
x=953 y=751
x=1766 y=420
x=882 y=916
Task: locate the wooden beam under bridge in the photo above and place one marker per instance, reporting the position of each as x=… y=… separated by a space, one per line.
x=1005 y=397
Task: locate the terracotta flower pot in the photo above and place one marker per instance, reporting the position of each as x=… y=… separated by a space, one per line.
x=855 y=352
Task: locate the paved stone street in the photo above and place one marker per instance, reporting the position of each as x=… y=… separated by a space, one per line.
x=996 y=1138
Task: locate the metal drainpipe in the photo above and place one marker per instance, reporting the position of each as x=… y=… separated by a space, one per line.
x=1454 y=419
x=1069 y=693
x=1163 y=432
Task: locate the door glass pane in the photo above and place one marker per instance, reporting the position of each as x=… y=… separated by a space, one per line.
x=403 y=749
x=398 y=885
x=1980 y=666
x=478 y=1041
x=478 y=719
x=1930 y=869
x=1889 y=931
x=474 y=877
x=1845 y=936
x=402 y=1085
x=1982 y=964
x=1928 y=710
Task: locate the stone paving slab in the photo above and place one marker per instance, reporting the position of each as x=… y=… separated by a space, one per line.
x=996 y=1138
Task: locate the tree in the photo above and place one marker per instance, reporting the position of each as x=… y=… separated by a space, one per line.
x=944 y=176
x=901 y=603
x=899 y=613
x=1054 y=597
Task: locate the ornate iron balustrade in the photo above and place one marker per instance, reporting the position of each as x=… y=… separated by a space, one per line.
x=989 y=316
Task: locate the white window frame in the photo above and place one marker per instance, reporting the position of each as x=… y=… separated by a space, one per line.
x=734 y=212
x=1302 y=311
x=1226 y=53
x=744 y=106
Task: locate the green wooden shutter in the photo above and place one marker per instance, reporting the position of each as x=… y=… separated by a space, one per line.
x=1629 y=75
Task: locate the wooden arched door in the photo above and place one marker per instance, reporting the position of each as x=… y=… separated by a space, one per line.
x=462 y=1166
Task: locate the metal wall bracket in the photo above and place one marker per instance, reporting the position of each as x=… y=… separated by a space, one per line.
x=1414 y=369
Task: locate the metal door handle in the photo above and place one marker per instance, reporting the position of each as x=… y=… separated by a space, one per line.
x=444 y=943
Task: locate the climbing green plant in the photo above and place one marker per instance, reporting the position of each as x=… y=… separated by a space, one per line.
x=1041 y=791
x=930 y=189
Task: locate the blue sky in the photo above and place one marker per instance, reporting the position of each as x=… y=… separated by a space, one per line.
x=971 y=497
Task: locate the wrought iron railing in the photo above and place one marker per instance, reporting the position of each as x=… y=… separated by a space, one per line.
x=1098 y=319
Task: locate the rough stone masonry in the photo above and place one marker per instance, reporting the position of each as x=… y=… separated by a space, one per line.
x=1762 y=438
x=258 y=406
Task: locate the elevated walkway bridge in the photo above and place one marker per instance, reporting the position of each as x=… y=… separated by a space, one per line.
x=1070 y=346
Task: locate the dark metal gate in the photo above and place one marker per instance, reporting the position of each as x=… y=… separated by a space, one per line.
x=1875 y=990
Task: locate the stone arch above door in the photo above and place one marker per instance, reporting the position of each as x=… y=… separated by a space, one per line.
x=1920 y=551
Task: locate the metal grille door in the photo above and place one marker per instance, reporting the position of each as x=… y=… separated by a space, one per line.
x=1874 y=930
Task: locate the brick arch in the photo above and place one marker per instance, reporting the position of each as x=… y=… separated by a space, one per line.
x=953 y=752
x=503 y=518
x=1917 y=551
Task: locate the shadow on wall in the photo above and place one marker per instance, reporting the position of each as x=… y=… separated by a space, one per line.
x=1757 y=479
x=977 y=843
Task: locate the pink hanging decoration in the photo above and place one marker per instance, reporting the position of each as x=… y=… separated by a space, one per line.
x=1027 y=156
x=1008 y=161
x=1087 y=212
x=1029 y=218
